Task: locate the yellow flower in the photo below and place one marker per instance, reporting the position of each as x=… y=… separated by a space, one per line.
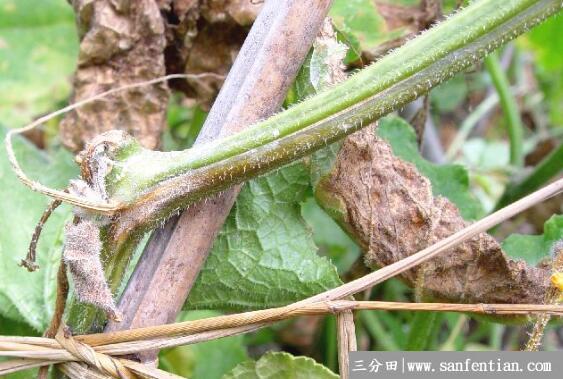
x=557 y=281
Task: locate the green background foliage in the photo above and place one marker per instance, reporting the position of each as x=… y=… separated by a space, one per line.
x=280 y=365
x=25 y=296
x=208 y=360
x=546 y=41
x=535 y=248
x=38 y=50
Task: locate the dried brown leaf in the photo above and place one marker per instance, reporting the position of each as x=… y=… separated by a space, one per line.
x=390 y=210
x=122 y=42
x=214 y=50
x=243 y=12
x=415 y=18
x=205 y=36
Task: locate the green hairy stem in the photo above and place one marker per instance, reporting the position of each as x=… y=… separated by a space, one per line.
x=387 y=85
x=510 y=108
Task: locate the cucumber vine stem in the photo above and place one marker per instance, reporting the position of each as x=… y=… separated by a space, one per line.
x=509 y=106
x=177 y=179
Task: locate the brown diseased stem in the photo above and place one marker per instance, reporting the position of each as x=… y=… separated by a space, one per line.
x=255 y=88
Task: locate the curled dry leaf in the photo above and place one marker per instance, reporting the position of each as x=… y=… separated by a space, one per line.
x=243 y=12
x=122 y=42
x=390 y=210
x=125 y=42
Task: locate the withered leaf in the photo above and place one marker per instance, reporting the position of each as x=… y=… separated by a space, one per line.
x=389 y=208
x=204 y=37
x=122 y=42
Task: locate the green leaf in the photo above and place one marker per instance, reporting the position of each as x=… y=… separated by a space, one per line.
x=329 y=237
x=359 y=19
x=265 y=255
x=533 y=249
x=38 y=49
x=420 y=332
x=546 y=41
x=184 y=124
x=322 y=161
x=381 y=339
x=450 y=181
x=449 y=95
x=281 y=366
x=486 y=155
x=207 y=360
x=26 y=296
x=303 y=85
x=9 y=327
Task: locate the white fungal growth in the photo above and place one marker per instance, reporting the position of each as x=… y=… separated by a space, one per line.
x=82 y=246
x=81 y=253
x=82 y=189
x=100 y=165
